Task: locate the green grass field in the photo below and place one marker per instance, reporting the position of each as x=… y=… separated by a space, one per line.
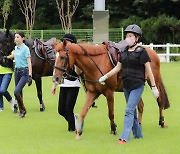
x=46 y=132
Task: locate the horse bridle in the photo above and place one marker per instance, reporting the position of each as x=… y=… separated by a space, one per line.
x=66 y=65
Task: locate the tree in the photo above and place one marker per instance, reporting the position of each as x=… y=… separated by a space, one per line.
x=6 y=10
x=28 y=8
x=66 y=14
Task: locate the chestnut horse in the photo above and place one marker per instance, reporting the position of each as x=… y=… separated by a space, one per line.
x=94 y=62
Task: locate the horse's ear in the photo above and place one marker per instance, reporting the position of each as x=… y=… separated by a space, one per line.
x=7 y=33
x=64 y=42
x=54 y=44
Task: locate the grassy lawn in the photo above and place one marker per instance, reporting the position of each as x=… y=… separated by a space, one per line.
x=46 y=132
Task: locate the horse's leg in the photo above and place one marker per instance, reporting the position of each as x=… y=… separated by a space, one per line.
x=90 y=97
x=161 y=117
x=38 y=82
x=110 y=102
x=140 y=110
x=163 y=101
x=85 y=88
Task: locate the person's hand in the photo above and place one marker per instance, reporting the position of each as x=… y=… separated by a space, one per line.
x=53 y=89
x=29 y=81
x=102 y=79
x=155 y=92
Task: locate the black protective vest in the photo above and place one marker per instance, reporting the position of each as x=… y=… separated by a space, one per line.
x=131 y=66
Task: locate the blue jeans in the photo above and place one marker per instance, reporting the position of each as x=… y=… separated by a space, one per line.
x=130 y=118
x=5 y=79
x=21 y=77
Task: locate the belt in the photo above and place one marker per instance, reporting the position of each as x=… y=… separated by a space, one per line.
x=22 y=68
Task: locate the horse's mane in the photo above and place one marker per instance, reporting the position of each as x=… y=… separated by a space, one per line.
x=90 y=49
x=2 y=36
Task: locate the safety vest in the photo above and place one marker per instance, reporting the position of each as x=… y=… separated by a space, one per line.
x=131 y=66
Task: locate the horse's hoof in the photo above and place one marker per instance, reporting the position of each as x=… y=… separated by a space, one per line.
x=114 y=132
x=163 y=125
x=42 y=109
x=15 y=109
x=113 y=129
x=78 y=137
x=94 y=105
x=22 y=114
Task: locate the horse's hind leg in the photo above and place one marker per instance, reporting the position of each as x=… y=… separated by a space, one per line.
x=161 y=116
x=90 y=97
x=110 y=102
x=163 y=101
x=38 y=82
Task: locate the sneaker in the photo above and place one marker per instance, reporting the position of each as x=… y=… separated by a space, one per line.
x=13 y=103
x=76 y=116
x=120 y=141
x=1 y=109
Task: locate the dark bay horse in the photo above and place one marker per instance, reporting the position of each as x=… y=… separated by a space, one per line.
x=94 y=61
x=42 y=64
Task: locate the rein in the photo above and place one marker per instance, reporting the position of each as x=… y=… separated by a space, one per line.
x=95 y=81
x=86 y=53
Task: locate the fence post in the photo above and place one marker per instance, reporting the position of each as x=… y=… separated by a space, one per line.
x=41 y=34
x=122 y=33
x=151 y=46
x=167 y=52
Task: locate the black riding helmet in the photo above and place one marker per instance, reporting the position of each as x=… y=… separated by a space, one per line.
x=133 y=29
x=69 y=37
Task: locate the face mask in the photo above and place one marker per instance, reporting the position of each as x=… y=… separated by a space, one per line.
x=130 y=41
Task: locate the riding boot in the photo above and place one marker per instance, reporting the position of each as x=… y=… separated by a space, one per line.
x=21 y=106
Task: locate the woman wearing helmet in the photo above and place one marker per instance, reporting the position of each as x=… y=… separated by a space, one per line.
x=134 y=62
x=134 y=35
x=68 y=92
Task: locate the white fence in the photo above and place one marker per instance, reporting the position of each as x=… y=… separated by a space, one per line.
x=165 y=56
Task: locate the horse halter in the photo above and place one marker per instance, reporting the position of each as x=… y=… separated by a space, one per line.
x=66 y=64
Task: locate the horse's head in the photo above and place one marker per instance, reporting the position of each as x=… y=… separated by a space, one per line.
x=6 y=42
x=62 y=61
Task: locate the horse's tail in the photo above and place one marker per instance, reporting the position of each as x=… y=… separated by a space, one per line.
x=163 y=95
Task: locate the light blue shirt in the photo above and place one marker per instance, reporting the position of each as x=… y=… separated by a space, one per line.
x=20 y=55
